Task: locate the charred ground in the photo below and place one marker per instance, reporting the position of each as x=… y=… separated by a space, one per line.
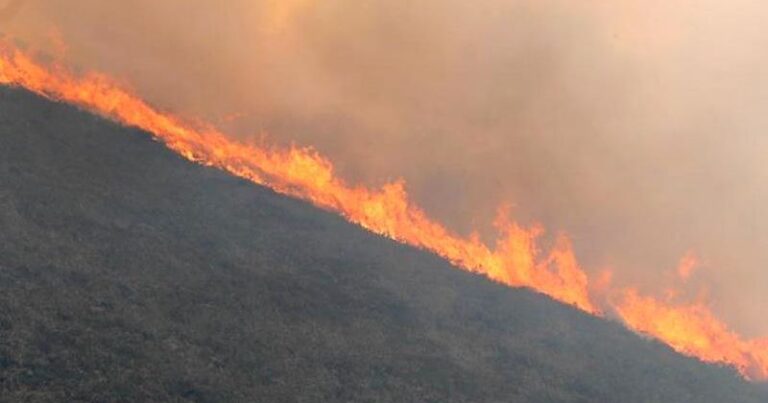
x=129 y=274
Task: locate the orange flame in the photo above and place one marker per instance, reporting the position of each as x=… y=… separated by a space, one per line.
x=692 y=329
x=515 y=259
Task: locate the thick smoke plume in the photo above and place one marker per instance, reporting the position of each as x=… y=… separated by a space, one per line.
x=635 y=127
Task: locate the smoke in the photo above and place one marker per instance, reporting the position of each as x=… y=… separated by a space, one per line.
x=634 y=126
x=9 y=10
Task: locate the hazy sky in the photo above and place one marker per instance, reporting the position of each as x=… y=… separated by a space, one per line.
x=635 y=126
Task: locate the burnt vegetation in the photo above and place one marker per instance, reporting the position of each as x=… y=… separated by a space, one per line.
x=128 y=274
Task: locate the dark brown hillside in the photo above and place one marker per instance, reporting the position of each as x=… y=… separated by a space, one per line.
x=129 y=274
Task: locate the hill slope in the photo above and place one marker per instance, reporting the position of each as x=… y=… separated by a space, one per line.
x=129 y=274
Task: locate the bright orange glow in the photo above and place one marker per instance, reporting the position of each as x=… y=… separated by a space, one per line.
x=514 y=259
x=692 y=329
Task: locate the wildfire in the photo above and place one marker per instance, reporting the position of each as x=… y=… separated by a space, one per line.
x=693 y=329
x=514 y=259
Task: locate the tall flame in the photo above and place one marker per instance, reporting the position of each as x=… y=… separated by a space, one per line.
x=515 y=259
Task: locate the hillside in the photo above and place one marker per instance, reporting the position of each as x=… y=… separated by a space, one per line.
x=130 y=274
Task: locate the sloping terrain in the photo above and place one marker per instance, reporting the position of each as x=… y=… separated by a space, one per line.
x=129 y=274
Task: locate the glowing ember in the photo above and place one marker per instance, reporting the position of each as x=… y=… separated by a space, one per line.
x=515 y=259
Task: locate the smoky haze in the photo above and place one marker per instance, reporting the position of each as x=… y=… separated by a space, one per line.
x=635 y=127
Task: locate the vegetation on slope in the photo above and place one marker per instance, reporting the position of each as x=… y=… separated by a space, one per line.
x=128 y=274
